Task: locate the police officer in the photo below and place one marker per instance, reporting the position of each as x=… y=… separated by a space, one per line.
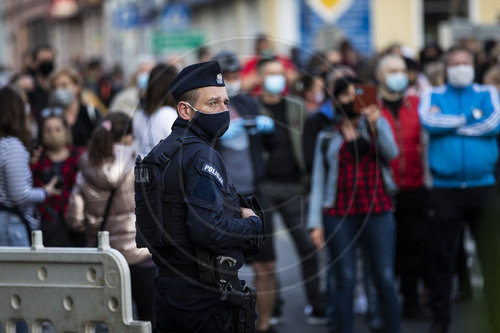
x=190 y=216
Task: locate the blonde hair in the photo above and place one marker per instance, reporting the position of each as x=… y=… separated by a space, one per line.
x=68 y=71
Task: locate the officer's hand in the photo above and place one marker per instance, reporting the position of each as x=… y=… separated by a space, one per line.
x=247 y=212
x=235 y=129
x=264 y=124
x=51 y=189
x=318 y=238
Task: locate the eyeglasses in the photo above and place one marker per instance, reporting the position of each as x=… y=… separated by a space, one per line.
x=52 y=112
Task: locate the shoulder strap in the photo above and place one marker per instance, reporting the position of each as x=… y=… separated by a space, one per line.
x=108 y=208
x=91 y=112
x=166 y=157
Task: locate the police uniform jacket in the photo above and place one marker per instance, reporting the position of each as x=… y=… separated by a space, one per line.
x=203 y=201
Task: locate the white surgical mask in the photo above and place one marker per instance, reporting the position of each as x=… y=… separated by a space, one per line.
x=460 y=76
x=62 y=97
x=233 y=88
x=396 y=82
x=275 y=84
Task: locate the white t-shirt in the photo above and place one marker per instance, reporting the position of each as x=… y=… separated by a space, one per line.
x=149 y=130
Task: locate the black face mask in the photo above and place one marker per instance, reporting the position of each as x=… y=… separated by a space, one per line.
x=46 y=67
x=214 y=124
x=348 y=110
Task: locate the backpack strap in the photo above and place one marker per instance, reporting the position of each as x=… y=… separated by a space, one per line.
x=108 y=208
x=166 y=157
x=91 y=113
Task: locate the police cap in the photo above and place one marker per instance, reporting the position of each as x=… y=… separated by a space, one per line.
x=204 y=74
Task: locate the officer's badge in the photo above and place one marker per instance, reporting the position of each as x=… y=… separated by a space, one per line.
x=434 y=109
x=477 y=114
x=219 y=79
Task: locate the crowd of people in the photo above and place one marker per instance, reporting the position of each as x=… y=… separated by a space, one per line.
x=389 y=184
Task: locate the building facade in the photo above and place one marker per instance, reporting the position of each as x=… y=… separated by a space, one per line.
x=118 y=31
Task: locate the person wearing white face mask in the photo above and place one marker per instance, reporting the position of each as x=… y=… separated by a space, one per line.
x=410 y=202
x=462 y=119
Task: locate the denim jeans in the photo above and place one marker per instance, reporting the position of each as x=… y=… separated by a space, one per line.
x=376 y=235
x=12 y=230
x=373 y=316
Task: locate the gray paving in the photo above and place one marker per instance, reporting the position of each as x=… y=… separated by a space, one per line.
x=468 y=317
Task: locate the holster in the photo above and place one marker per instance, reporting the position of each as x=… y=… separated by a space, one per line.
x=243 y=303
x=241 y=298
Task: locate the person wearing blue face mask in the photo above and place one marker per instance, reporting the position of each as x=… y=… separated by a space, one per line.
x=285 y=180
x=241 y=148
x=129 y=99
x=401 y=111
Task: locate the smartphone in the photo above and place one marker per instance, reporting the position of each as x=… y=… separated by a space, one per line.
x=366 y=95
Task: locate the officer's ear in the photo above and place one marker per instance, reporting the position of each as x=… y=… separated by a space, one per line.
x=184 y=111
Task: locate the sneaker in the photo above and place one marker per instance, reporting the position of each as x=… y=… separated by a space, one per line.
x=277 y=316
x=317 y=317
x=360 y=305
x=273 y=321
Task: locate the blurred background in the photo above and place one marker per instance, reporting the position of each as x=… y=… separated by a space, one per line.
x=115 y=32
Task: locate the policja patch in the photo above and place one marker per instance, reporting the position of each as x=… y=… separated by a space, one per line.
x=142 y=175
x=210 y=170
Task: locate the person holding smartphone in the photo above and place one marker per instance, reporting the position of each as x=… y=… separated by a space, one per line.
x=351 y=203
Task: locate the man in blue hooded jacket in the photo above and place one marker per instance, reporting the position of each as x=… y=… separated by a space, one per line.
x=462 y=119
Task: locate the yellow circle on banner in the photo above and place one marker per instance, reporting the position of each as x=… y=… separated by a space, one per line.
x=330 y=3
